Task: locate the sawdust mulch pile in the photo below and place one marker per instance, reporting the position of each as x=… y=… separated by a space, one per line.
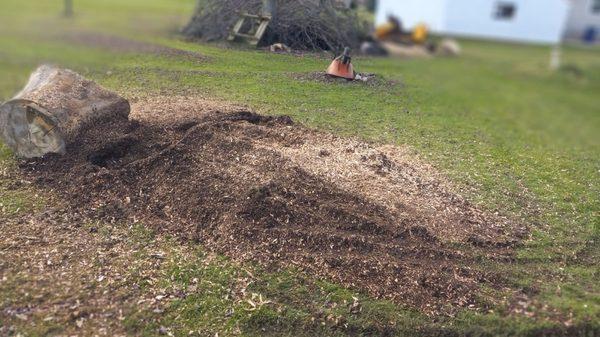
x=265 y=189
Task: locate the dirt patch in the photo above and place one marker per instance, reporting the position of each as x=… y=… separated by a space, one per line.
x=368 y=80
x=263 y=189
x=124 y=45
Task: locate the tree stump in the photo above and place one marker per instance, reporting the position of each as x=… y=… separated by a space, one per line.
x=55 y=105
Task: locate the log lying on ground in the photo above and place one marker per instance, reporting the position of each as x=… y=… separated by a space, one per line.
x=55 y=105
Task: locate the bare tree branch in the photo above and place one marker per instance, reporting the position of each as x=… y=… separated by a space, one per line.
x=300 y=24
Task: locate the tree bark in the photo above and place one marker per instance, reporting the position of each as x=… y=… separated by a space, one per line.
x=52 y=108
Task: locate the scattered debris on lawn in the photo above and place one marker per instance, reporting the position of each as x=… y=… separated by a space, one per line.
x=368 y=79
x=444 y=48
x=405 y=51
x=364 y=77
x=448 y=47
x=89 y=282
x=280 y=48
x=264 y=189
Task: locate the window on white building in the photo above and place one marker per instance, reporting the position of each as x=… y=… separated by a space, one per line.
x=505 y=10
x=596 y=6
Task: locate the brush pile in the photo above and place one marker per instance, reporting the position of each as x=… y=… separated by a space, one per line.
x=300 y=24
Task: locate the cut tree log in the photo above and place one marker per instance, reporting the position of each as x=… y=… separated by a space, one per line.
x=55 y=105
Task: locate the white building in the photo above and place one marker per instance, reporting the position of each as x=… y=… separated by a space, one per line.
x=536 y=21
x=583 y=15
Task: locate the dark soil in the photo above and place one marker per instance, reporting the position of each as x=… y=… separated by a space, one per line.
x=372 y=80
x=230 y=180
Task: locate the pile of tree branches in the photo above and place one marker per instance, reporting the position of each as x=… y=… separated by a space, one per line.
x=300 y=24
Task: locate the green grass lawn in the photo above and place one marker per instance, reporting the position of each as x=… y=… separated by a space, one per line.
x=514 y=136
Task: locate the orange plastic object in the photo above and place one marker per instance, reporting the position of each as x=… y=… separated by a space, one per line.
x=342 y=66
x=338 y=69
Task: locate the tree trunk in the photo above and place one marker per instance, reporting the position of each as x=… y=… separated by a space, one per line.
x=52 y=108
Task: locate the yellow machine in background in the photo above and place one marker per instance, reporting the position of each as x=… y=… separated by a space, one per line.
x=420 y=34
x=390 y=39
x=390 y=28
x=393 y=31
